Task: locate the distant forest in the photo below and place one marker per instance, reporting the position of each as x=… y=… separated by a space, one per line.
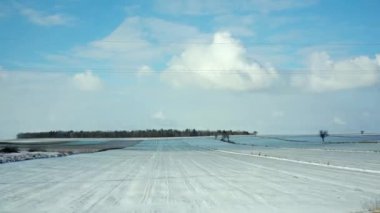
x=128 y=134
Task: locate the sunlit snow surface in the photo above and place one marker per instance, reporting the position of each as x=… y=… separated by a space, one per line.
x=200 y=175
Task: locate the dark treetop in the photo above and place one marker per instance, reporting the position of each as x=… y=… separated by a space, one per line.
x=127 y=134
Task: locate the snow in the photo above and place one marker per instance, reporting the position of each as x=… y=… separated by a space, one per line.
x=20 y=156
x=196 y=175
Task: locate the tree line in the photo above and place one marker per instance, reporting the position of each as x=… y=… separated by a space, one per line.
x=128 y=134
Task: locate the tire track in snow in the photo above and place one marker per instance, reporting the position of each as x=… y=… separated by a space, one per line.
x=149 y=172
x=256 y=197
x=130 y=174
x=183 y=156
x=86 y=203
x=193 y=183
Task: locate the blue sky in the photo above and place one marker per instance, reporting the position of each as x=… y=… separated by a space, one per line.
x=273 y=66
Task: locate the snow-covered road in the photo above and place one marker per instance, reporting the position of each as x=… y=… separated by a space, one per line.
x=181 y=176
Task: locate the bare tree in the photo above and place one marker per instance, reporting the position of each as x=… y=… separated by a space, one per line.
x=225 y=136
x=323 y=134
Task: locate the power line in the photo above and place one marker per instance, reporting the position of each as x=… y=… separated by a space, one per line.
x=263 y=43
x=197 y=71
x=248 y=42
x=188 y=69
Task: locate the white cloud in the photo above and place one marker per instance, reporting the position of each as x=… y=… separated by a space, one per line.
x=125 y=42
x=339 y=121
x=328 y=75
x=42 y=19
x=222 y=64
x=137 y=41
x=87 y=81
x=159 y=116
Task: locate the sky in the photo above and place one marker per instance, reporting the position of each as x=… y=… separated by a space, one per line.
x=276 y=67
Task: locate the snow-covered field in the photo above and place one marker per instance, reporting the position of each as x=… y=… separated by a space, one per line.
x=197 y=175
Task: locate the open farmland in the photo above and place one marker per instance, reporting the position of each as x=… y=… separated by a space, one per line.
x=196 y=175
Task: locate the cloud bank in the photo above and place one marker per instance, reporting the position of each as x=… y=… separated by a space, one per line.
x=329 y=75
x=42 y=19
x=138 y=41
x=222 y=64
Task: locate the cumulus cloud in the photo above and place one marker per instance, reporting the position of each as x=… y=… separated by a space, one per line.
x=43 y=19
x=329 y=75
x=222 y=64
x=87 y=81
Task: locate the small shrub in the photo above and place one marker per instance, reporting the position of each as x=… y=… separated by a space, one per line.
x=9 y=149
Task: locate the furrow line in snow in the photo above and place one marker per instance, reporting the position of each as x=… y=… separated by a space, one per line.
x=228 y=183
x=85 y=200
x=128 y=177
x=304 y=162
x=310 y=176
x=335 y=150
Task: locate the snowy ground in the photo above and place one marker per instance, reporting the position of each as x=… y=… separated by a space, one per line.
x=195 y=175
x=20 y=156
